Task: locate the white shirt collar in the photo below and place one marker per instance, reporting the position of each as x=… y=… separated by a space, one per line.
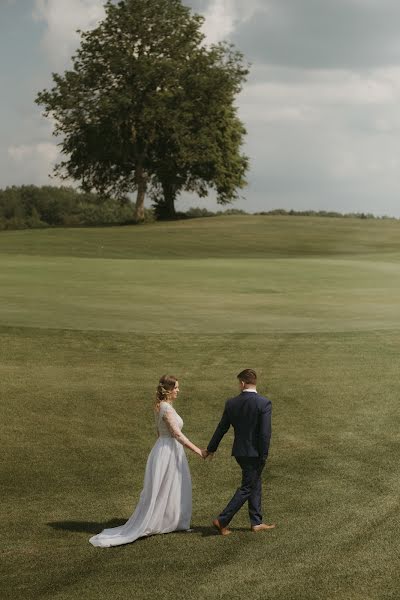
x=247 y=390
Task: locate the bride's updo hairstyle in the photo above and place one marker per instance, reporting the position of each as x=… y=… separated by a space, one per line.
x=164 y=389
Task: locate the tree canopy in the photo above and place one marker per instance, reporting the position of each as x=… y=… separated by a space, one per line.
x=148 y=106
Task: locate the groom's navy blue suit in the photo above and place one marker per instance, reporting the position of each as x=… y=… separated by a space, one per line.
x=250 y=415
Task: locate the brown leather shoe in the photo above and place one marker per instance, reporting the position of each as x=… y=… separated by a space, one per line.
x=222 y=530
x=262 y=527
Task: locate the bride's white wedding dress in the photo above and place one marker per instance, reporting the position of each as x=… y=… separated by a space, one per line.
x=165 y=503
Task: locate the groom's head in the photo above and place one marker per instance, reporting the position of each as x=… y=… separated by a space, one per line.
x=247 y=379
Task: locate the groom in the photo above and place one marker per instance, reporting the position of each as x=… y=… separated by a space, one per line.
x=250 y=415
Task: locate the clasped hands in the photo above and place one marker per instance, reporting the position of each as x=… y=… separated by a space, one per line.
x=205 y=454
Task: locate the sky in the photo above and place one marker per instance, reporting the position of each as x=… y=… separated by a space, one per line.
x=321 y=104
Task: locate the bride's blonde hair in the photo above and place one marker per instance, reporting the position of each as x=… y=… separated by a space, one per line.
x=164 y=389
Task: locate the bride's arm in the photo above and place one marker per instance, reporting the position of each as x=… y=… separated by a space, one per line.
x=176 y=433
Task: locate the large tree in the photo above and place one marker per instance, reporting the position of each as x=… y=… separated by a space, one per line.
x=147 y=106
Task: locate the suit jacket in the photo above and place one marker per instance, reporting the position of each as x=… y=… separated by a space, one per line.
x=250 y=415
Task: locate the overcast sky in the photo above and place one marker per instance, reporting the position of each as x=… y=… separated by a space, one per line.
x=321 y=105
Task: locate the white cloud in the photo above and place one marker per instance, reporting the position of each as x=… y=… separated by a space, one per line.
x=219 y=20
x=223 y=16
x=63 y=18
x=323 y=95
x=32 y=163
x=323 y=139
x=44 y=150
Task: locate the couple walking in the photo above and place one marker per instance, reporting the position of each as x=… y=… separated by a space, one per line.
x=165 y=503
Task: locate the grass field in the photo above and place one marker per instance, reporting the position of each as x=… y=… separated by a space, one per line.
x=91 y=318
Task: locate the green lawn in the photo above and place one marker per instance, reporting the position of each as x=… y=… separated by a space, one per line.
x=250 y=236
x=91 y=318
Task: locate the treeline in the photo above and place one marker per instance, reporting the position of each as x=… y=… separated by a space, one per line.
x=323 y=213
x=203 y=212
x=30 y=206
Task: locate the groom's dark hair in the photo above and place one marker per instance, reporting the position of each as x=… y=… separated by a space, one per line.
x=248 y=376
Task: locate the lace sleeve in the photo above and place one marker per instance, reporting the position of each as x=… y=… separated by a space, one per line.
x=169 y=419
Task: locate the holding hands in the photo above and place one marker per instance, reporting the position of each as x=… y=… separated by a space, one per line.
x=205 y=454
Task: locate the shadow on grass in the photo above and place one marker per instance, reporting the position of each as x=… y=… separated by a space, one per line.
x=95 y=527
x=209 y=531
x=87 y=526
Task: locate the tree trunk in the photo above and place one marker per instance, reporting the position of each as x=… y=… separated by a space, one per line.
x=141 y=182
x=165 y=208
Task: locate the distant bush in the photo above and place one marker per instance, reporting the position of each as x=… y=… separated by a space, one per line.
x=232 y=211
x=29 y=206
x=195 y=212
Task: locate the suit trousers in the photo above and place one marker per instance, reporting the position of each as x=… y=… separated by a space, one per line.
x=249 y=491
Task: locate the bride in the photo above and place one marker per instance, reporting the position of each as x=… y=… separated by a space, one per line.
x=165 y=503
